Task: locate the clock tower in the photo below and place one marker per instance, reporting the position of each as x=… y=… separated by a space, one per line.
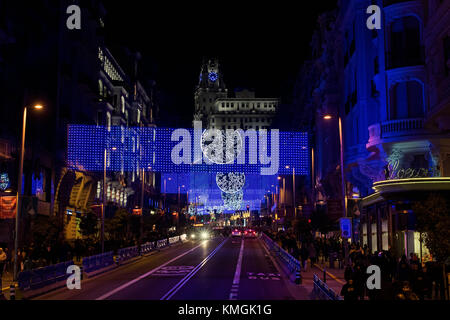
x=210 y=88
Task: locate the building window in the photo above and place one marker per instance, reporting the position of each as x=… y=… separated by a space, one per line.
x=447 y=55
x=364 y=234
x=384 y=235
x=405 y=43
x=374 y=237
x=407 y=100
x=376 y=66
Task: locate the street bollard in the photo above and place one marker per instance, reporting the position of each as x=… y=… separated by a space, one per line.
x=324 y=275
x=12 y=292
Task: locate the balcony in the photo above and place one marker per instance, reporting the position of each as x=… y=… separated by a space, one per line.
x=395 y=129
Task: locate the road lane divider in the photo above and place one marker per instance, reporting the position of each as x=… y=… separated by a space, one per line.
x=183 y=281
x=237 y=274
x=126 y=285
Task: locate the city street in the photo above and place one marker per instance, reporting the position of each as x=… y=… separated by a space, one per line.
x=195 y=270
x=250 y=161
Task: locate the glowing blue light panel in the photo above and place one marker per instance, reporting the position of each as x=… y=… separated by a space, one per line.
x=170 y=150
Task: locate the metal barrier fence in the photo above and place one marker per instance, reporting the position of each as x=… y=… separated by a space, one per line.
x=174 y=240
x=98 y=261
x=322 y=291
x=161 y=243
x=292 y=264
x=41 y=277
x=127 y=253
x=148 y=247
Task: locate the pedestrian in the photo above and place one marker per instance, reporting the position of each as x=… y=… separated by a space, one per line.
x=349 y=272
x=349 y=291
x=403 y=272
x=304 y=255
x=312 y=253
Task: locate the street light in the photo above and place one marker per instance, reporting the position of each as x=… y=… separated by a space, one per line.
x=341 y=142
x=102 y=228
x=19 y=186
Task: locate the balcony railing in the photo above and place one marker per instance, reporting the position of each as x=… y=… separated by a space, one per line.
x=401 y=127
x=395 y=128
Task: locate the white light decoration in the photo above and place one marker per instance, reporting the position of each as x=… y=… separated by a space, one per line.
x=233 y=201
x=231 y=182
x=221 y=146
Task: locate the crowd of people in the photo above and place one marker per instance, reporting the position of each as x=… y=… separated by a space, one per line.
x=404 y=278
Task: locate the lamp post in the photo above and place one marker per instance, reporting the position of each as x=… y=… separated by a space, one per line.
x=102 y=220
x=19 y=187
x=141 y=220
x=341 y=142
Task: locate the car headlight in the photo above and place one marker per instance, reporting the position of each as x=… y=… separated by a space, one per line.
x=193 y=236
x=205 y=235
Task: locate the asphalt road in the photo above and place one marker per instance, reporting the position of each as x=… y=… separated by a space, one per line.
x=216 y=269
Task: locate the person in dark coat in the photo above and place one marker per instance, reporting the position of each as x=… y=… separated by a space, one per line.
x=349 y=291
x=304 y=255
x=349 y=272
x=403 y=272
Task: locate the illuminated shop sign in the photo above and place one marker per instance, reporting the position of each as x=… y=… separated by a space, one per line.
x=4 y=181
x=394 y=171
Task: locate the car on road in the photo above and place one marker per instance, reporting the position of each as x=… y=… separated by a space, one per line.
x=201 y=234
x=236 y=233
x=250 y=233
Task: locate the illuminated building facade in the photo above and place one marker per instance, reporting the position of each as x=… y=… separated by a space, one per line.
x=219 y=111
x=391 y=89
x=78 y=81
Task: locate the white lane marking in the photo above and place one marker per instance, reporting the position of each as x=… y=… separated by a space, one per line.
x=173 y=271
x=107 y=295
x=237 y=274
x=183 y=281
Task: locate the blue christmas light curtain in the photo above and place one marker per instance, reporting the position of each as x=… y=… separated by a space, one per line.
x=133 y=149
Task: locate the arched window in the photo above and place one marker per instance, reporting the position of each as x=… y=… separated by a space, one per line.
x=407 y=100
x=405 y=43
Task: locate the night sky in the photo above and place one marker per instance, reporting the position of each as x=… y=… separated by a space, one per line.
x=260 y=46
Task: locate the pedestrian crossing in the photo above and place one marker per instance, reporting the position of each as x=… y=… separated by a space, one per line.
x=173 y=271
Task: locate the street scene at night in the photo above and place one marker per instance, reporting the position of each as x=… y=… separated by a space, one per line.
x=248 y=157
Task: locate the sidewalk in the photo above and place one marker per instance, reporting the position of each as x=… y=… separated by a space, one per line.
x=6 y=282
x=334 y=277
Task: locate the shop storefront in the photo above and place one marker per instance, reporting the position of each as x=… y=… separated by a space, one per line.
x=388 y=220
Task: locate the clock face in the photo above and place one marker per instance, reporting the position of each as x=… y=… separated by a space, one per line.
x=212 y=76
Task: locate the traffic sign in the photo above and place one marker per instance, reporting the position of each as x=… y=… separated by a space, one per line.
x=346 y=227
